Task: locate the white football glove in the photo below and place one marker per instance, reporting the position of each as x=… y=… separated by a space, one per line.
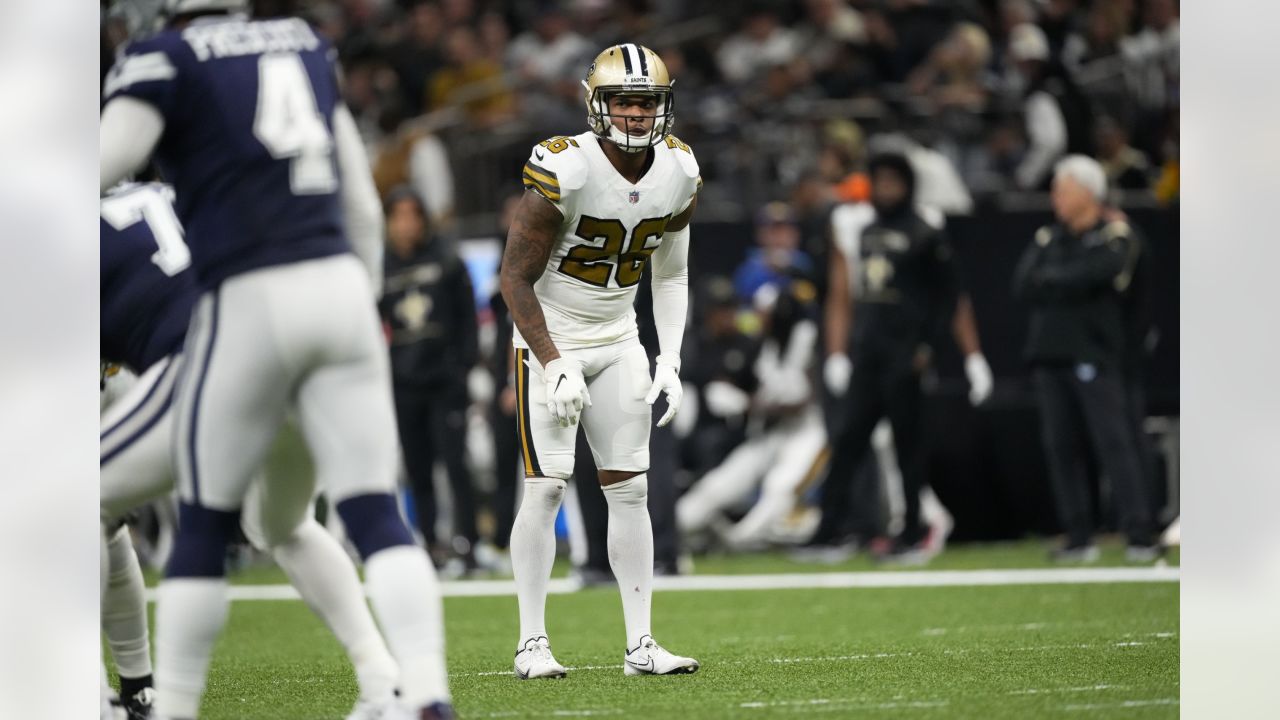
x=980 y=380
x=836 y=372
x=566 y=390
x=724 y=399
x=666 y=379
x=785 y=387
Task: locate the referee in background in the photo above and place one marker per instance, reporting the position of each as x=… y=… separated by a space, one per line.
x=1077 y=277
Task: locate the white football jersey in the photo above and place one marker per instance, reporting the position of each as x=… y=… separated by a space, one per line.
x=610 y=229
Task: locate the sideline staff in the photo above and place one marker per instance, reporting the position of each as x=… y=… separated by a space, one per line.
x=1076 y=276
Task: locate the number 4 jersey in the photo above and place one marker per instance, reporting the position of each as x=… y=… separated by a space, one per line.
x=247 y=144
x=610 y=229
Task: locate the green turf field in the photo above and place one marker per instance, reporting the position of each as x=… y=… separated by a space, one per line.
x=1016 y=651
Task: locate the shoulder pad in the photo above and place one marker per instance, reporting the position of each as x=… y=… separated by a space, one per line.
x=932 y=216
x=847 y=223
x=684 y=156
x=852 y=216
x=1044 y=235
x=555 y=165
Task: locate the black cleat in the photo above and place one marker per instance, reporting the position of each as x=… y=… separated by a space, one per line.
x=437 y=711
x=138 y=705
x=1075 y=554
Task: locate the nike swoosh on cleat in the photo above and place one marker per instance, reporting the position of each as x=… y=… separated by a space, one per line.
x=647 y=667
x=537 y=154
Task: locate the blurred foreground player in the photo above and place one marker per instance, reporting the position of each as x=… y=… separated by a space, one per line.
x=1076 y=277
x=894 y=288
x=245 y=118
x=148 y=293
x=599 y=205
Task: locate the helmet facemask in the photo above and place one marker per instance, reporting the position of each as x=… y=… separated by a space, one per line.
x=601 y=118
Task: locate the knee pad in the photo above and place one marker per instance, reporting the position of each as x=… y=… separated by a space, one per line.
x=633 y=492
x=374 y=523
x=201 y=546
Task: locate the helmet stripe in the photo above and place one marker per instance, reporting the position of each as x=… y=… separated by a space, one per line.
x=644 y=62
x=626 y=58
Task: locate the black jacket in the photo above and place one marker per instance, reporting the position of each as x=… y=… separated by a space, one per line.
x=429 y=309
x=907 y=286
x=1078 y=287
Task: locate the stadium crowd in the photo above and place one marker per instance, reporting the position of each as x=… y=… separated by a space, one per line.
x=987 y=92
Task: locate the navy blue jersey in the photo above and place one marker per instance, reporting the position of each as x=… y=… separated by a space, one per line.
x=147 y=288
x=248 y=141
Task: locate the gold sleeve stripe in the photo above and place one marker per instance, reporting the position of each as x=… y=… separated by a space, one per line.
x=542 y=174
x=551 y=194
x=542 y=180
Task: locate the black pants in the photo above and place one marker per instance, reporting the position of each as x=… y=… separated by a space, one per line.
x=1135 y=389
x=662 y=501
x=879 y=387
x=434 y=422
x=508 y=470
x=1086 y=410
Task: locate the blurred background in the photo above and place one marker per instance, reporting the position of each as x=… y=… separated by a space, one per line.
x=783 y=104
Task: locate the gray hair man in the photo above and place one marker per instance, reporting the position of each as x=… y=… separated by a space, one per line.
x=1076 y=277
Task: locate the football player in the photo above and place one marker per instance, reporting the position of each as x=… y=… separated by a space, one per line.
x=600 y=205
x=147 y=296
x=244 y=117
x=786 y=443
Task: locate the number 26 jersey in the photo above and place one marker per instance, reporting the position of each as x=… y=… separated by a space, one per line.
x=610 y=229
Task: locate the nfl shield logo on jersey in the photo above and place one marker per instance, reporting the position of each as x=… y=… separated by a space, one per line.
x=633 y=197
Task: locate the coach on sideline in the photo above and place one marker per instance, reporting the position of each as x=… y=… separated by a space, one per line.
x=1076 y=276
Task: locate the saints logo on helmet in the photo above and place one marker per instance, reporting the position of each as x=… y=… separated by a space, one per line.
x=628 y=69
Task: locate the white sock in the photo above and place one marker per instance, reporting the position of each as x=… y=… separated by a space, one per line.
x=325 y=577
x=190 y=613
x=533 y=551
x=104 y=570
x=104 y=564
x=631 y=552
x=406 y=596
x=124 y=608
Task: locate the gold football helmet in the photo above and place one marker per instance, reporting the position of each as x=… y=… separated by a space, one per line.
x=628 y=69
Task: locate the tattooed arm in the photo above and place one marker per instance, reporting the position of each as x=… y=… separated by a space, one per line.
x=529 y=242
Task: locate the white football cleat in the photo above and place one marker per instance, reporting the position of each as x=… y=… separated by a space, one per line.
x=652 y=659
x=534 y=660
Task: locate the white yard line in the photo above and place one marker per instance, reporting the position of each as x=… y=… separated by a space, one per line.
x=1086 y=688
x=793 y=581
x=1122 y=704
x=857 y=657
x=847 y=703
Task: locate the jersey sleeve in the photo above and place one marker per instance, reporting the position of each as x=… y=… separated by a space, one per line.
x=147 y=70
x=689 y=168
x=555 y=169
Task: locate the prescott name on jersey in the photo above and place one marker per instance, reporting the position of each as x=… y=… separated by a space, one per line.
x=257 y=182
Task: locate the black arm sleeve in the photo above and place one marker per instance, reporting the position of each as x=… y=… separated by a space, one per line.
x=947 y=284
